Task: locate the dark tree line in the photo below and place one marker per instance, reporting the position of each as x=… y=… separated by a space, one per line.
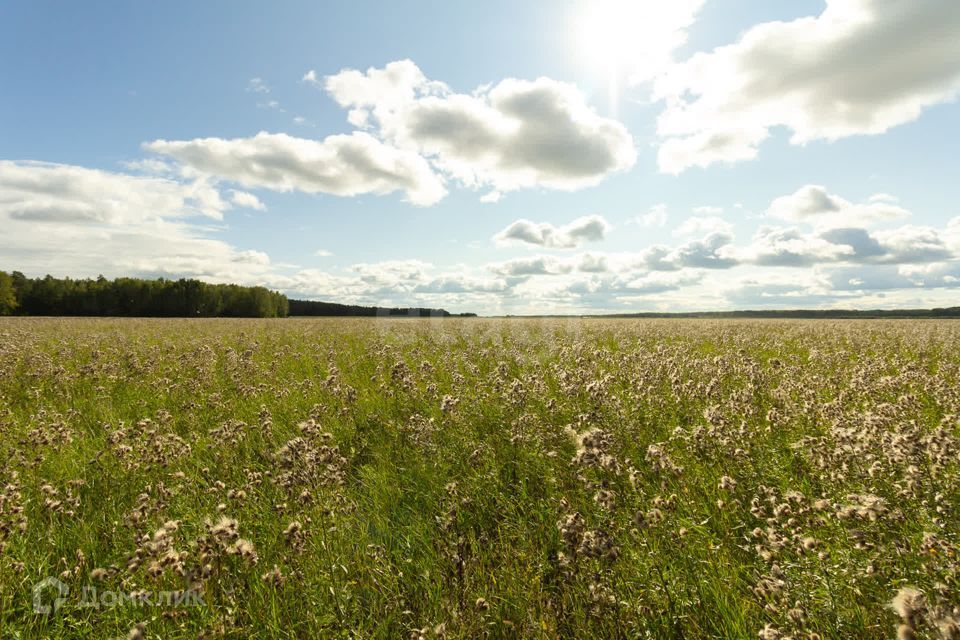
x=835 y=314
x=51 y=296
x=315 y=308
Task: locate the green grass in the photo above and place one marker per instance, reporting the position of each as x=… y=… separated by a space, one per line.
x=795 y=412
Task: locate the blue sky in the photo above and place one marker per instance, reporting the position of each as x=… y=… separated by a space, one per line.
x=497 y=157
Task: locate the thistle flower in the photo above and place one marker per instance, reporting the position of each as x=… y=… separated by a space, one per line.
x=605 y=499
x=274 y=576
x=910 y=604
x=137 y=632
x=244 y=549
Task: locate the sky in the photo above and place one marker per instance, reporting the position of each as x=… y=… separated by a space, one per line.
x=496 y=157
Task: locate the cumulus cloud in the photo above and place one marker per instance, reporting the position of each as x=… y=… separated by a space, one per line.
x=703 y=224
x=814 y=205
x=790 y=247
x=656 y=217
x=536 y=266
x=392 y=273
x=247 y=200
x=860 y=67
x=890 y=277
x=590 y=263
x=585 y=229
x=47 y=192
x=515 y=134
x=714 y=251
x=454 y=283
x=912 y=244
x=77 y=221
x=658 y=282
x=342 y=165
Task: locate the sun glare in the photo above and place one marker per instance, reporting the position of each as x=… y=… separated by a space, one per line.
x=630 y=41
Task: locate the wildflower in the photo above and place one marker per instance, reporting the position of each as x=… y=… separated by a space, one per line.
x=948 y=627
x=727 y=483
x=906 y=632
x=769 y=632
x=448 y=403
x=909 y=604
x=226 y=528
x=244 y=549
x=605 y=499
x=293 y=530
x=274 y=576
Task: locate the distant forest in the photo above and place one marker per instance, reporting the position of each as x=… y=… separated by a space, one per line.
x=945 y=312
x=49 y=296
x=314 y=308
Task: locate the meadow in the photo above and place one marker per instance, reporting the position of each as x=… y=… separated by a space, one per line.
x=479 y=478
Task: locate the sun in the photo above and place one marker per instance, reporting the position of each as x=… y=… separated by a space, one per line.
x=630 y=41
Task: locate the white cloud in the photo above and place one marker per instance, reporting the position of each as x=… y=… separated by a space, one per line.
x=912 y=244
x=790 y=247
x=535 y=266
x=45 y=192
x=342 y=165
x=892 y=277
x=246 y=200
x=310 y=77
x=70 y=220
x=656 y=217
x=591 y=263
x=456 y=283
x=323 y=253
x=392 y=274
x=703 y=224
x=714 y=251
x=860 y=67
x=257 y=85
x=585 y=229
x=516 y=134
x=660 y=282
x=271 y=104
x=708 y=210
x=814 y=205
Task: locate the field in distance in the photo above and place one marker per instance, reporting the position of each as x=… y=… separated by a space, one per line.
x=447 y=478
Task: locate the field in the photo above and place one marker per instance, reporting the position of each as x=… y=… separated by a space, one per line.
x=375 y=478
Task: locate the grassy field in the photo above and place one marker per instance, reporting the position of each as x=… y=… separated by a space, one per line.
x=479 y=478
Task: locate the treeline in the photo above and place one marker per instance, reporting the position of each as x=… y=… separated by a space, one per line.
x=944 y=312
x=51 y=296
x=314 y=308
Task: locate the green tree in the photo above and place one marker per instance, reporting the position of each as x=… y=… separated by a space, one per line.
x=8 y=295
